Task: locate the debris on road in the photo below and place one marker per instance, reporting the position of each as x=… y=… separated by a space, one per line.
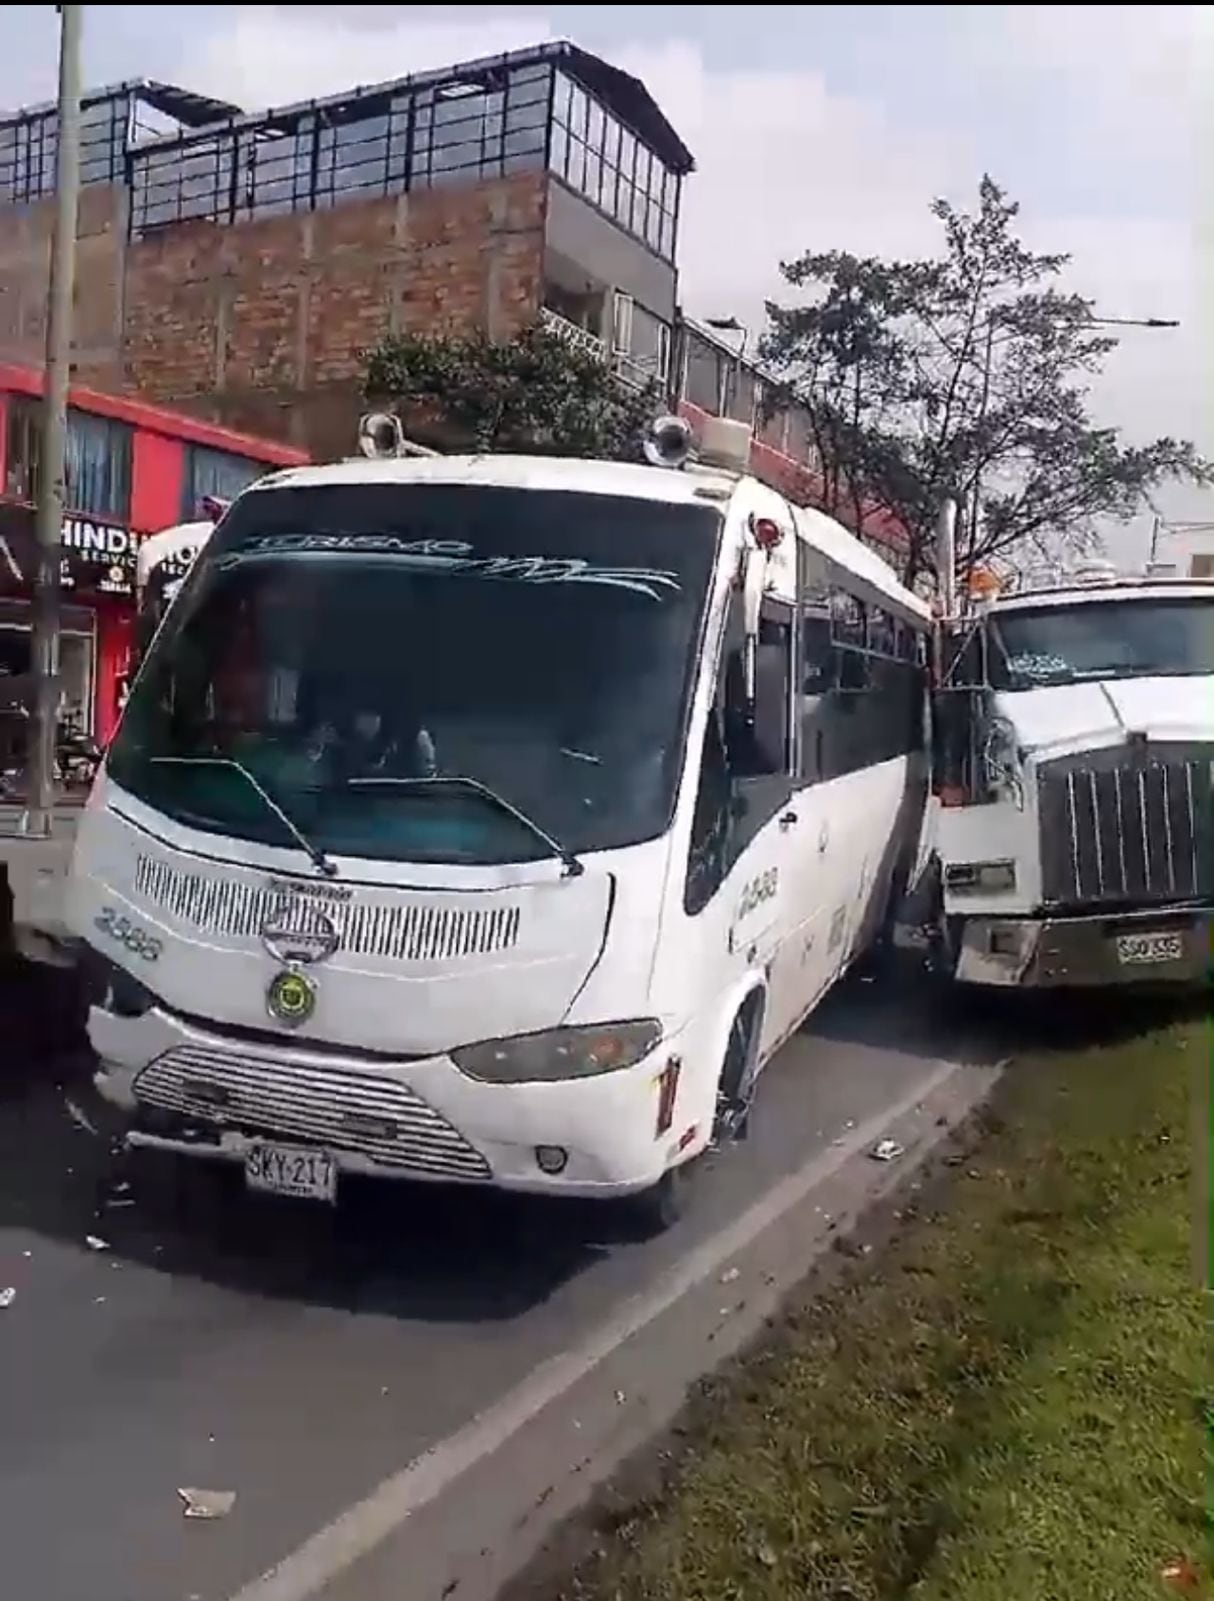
x=731 y=1275
x=207 y=1504
x=887 y=1151
x=96 y=1243
x=1182 y=1576
x=80 y=1118
x=7 y=1297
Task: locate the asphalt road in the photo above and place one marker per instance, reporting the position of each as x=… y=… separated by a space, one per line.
x=299 y=1356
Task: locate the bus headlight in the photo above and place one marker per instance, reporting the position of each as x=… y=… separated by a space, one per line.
x=559 y=1053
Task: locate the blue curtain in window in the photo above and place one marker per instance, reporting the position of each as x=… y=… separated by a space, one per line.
x=214 y=472
x=98 y=467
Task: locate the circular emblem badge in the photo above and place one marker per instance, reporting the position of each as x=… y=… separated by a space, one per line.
x=291 y=998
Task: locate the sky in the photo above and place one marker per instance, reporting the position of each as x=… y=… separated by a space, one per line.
x=815 y=127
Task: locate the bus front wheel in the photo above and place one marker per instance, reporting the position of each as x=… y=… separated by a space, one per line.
x=739 y=1074
x=651 y=1212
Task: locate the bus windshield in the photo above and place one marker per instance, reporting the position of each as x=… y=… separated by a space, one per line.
x=1138 y=638
x=331 y=640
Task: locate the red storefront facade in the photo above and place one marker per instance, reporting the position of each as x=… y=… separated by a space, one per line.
x=132 y=470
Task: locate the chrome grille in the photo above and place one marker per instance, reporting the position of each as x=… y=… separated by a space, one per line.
x=1127 y=828
x=342 y=1109
x=409 y=932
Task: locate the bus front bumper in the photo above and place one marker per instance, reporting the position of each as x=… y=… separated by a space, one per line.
x=174 y=1085
x=1157 y=947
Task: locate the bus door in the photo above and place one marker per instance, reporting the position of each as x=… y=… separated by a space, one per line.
x=771 y=925
x=817 y=853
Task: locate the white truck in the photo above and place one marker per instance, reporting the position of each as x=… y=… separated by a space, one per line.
x=1074 y=764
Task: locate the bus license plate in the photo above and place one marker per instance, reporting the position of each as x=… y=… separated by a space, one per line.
x=291 y=1170
x=1141 y=950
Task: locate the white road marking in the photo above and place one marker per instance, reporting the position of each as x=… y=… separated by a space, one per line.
x=367 y=1523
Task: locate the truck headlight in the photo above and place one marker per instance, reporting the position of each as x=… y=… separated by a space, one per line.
x=980 y=878
x=559 y=1053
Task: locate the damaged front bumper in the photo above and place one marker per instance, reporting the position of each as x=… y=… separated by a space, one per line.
x=1136 y=948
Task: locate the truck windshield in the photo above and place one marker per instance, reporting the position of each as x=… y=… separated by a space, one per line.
x=332 y=639
x=1138 y=638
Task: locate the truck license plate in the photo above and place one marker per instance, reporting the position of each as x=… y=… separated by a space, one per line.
x=291 y=1170
x=1140 y=950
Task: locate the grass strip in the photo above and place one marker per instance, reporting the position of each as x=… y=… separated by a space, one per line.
x=1011 y=1406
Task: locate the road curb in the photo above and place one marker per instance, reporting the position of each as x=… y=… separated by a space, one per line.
x=471 y=1514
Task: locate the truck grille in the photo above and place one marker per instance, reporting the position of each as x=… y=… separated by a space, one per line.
x=342 y=1109
x=1126 y=829
x=432 y=930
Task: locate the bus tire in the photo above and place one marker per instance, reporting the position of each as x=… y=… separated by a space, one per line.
x=739 y=1072
x=651 y=1212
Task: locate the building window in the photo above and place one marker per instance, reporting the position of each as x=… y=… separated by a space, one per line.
x=600 y=159
x=98 y=467
x=466 y=129
x=22 y=449
x=29 y=145
x=218 y=473
x=649 y=345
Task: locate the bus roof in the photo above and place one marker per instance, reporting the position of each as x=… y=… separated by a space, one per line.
x=697 y=483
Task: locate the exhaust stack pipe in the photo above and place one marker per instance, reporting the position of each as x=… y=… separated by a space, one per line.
x=946 y=555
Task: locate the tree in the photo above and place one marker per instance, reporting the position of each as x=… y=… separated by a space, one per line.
x=965 y=375
x=536 y=392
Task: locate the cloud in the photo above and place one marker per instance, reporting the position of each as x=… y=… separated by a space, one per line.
x=784 y=165
x=1091 y=115
x=275 y=55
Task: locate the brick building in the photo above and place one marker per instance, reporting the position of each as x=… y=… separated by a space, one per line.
x=238 y=266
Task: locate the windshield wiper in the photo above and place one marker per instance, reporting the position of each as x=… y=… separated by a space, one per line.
x=318 y=858
x=573 y=868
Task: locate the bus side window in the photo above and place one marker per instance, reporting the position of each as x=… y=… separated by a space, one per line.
x=861 y=697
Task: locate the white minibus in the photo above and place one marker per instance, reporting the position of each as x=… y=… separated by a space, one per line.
x=494 y=820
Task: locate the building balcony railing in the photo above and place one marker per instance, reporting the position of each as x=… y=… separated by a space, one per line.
x=630 y=370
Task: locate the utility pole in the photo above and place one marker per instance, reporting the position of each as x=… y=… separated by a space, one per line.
x=51 y=465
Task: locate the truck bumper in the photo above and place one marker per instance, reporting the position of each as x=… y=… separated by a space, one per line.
x=1139 y=948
